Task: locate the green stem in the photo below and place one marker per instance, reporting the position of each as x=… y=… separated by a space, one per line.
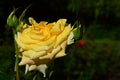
x=16 y=60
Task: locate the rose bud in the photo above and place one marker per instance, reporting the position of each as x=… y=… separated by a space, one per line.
x=81 y=43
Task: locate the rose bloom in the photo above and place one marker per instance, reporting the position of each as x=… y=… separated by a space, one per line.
x=41 y=42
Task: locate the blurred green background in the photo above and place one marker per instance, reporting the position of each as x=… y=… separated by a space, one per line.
x=97 y=59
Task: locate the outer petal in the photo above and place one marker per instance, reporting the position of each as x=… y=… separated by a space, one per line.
x=62 y=23
x=33 y=55
x=25 y=60
x=70 y=39
x=51 y=55
x=32 y=67
x=26 y=68
x=63 y=36
x=55 y=28
x=60 y=54
x=42 y=69
x=22 y=45
x=64 y=44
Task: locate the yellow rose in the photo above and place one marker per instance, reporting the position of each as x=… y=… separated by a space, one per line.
x=41 y=42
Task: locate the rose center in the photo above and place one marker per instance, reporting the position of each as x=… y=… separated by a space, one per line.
x=42 y=30
x=38 y=29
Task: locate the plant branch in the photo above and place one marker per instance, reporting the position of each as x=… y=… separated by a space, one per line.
x=16 y=60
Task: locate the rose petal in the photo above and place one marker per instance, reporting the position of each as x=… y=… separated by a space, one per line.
x=32 y=21
x=43 y=23
x=36 y=36
x=26 y=39
x=42 y=69
x=33 y=55
x=25 y=60
x=60 y=54
x=38 y=47
x=26 y=68
x=55 y=28
x=70 y=39
x=32 y=67
x=63 y=36
x=47 y=42
x=63 y=45
x=21 y=44
x=62 y=23
x=51 y=55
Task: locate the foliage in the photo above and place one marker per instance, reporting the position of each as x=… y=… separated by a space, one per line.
x=99 y=31
x=95 y=61
x=105 y=11
x=6 y=60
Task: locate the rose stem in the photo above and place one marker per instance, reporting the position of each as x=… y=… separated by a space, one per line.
x=16 y=60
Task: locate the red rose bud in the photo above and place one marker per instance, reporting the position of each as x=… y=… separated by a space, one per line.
x=81 y=43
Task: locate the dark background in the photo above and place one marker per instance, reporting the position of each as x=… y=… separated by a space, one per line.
x=97 y=59
x=97 y=13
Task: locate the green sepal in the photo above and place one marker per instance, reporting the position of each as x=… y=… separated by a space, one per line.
x=23 y=13
x=76 y=31
x=19 y=27
x=12 y=20
x=21 y=19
